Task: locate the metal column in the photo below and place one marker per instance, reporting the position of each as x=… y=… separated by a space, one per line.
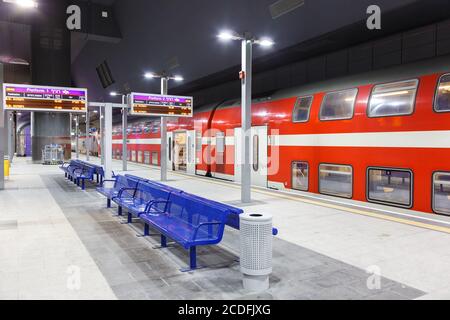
x=11 y=144
x=87 y=142
x=77 y=136
x=2 y=133
x=246 y=107
x=164 y=90
x=102 y=136
x=108 y=140
x=124 y=135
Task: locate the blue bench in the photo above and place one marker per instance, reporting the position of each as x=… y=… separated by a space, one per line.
x=80 y=171
x=188 y=221
x=119 y=183
x=145 y=198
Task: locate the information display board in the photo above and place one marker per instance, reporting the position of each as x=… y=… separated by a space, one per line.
x=143 y=104
x=44 y=98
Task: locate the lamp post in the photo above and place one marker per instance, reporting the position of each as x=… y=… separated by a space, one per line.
x=124 y=129
x=164 y=90
x=247 y=41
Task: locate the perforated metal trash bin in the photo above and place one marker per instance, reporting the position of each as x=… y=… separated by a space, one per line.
x=256 y=250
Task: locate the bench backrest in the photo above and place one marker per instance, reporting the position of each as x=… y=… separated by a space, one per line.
x=232 y=212
x=149 y=192
x=156 y=183
x=125 y=182
x=193 y=211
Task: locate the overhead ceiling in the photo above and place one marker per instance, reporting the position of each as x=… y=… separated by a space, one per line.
x=156 y=31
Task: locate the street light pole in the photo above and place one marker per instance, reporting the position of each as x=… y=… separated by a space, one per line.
x=164 y=146
x=247 y=41
x=246 y=113
x=124 y=135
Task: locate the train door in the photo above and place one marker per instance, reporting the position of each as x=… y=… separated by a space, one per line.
x=180 y=151
x=169 y=150
x=191 y=152
x=258 y=155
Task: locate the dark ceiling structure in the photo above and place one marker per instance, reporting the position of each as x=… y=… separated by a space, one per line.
x=141 y=36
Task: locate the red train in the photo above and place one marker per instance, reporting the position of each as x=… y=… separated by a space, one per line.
x=381 y=137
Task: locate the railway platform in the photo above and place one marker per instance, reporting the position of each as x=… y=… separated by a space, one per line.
x=63 y=243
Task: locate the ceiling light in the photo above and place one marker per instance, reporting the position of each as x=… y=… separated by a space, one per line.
x=178 y=78
x=265 y=42
x=113 y=94
x=149 y=75
x=23 y=3
x=227 y=36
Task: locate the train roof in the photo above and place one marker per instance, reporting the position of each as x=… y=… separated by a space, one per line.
x=403 y=72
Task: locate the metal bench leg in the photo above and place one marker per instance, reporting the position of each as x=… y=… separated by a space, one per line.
x=65 y=175
x=108 y=203
x=163 y=241
x=193 y=257
x=129 y=220
x=97 y=179
x=120 y=211
x=82 y=184
x=146 y=230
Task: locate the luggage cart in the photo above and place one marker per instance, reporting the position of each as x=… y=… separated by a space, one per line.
x=53 y=154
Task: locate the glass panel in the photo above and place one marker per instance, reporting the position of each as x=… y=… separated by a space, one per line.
x=335 y=180
x=300 y=172
x=147 y=157
x=338 y=105
x=255 y=152
x=393 y=99
x=198 y=143
x=441 y=192
x=442 y=102
x=391 y=186
x=220 y=142
x=170 y=149
x=155 y=158
x=301 y=109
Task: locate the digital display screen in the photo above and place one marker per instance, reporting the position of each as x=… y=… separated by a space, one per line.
x=43 y=98
x=158 y=105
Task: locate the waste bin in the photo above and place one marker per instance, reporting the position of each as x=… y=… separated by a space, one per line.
x=256 y=250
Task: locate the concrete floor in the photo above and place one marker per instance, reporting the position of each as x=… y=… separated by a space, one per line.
x=52 y=234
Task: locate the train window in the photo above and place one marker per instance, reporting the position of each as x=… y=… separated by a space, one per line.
x=198 y=142
x=441 y=192
x=155 y=158
x=338 y=105
x=302 y=109
x=390 y=186
x=220 y=142
x=393 y=99
x=442 y=103
x=255 y=152
x=300 y=173
x=336 y=180
x=140 y=159
x=147 y=157
x=170 y=149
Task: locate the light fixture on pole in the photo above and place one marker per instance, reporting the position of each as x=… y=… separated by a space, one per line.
x=164 y=89
x=247 y=41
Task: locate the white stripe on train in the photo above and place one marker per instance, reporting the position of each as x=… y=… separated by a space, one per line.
x=404 y=139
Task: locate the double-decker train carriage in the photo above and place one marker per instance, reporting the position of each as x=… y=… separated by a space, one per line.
x=381 y=137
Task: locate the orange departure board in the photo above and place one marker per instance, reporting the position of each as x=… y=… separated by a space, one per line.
x=144 y=104
x=44 y=98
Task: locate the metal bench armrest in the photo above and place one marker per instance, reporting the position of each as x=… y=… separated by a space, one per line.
x=124 y=189
x=153 y=203
x=194 y=236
